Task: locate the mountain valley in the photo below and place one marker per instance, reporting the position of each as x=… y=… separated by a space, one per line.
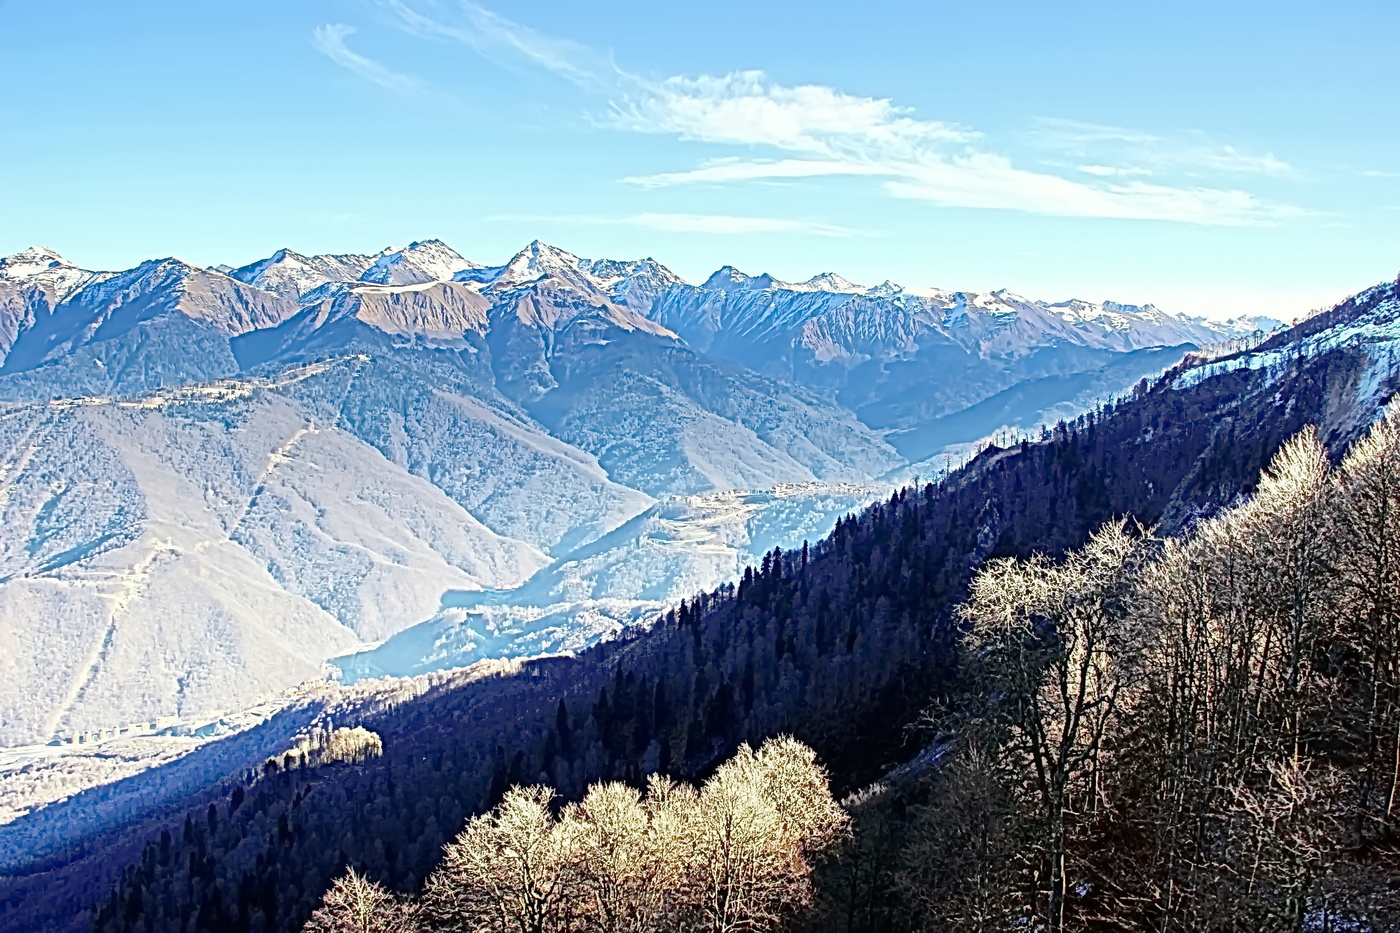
x=247 y=472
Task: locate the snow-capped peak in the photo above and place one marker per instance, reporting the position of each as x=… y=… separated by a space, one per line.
x=293 y=275
x=823 y=282
x=540 y=260
x=636 y=283
x=610 y=272
x=423 y=261
x=730 y=279
x=44 y=267
x=885 y=289
x=31 y=261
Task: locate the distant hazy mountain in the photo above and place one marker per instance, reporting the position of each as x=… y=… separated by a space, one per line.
x=900 y=360
x=213 y=480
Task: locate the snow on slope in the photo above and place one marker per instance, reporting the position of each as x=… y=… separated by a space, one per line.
x=635 y=284
x=425 y=261
x=749 y=318
x=44 y=268
x=1368 y=321
x=730 y=279
x=424 y=425
x=32 y=282
x=683 y=545
x=291 y=275
x=551 y=289
x=194 y=548
x=162 y=323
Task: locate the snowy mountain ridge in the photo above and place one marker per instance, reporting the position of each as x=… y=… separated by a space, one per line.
x=649 y=288
x=243 y=472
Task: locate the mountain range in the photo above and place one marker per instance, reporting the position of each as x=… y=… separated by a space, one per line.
x=213 y=480
x=847 y=645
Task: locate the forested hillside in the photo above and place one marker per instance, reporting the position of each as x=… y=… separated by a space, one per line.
x=1196 y=733
x=845 y=644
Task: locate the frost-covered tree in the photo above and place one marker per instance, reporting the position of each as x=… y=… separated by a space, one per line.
x=750 y=834
x=513 y=870
x=355 y=904
x=732 y=855
x=1058 y=646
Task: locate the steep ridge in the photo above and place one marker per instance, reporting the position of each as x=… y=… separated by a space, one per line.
x=634 y=283
x=291 y=275
x=874 y=349
x=842 y=644
x=43 y=268
x=163 y=323
x=32 y=282
x=659 y=416
x=336 y=317
x=417 y=263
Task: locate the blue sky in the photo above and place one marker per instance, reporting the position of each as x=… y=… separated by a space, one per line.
x=1210 y=157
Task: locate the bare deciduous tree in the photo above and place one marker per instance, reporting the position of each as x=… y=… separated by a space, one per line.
x=1058 y=645
x=513 y=870
x=354 y=904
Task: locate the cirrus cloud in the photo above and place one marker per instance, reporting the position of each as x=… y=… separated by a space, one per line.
x=814 y=131
x=329 y=40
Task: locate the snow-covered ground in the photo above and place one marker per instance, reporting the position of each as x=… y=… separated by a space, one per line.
x=682 y=546
x=33 y=776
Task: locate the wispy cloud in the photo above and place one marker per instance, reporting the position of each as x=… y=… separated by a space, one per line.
x=810 y=131
x=724 y=171
x=501 y=40
x=989 y=181
x=1134 y=152
x=329 y=40
x=746 y=108
x=1112 y=171
x=722 y=224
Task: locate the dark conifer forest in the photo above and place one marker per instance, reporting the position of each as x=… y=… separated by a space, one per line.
x=855 y=645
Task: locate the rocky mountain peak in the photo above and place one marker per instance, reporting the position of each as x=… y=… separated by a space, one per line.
x=419 y=262
x=730 y=279
x=44 y=267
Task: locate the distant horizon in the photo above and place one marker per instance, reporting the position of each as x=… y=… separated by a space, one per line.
x=1214 y=160
x=699 y=280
